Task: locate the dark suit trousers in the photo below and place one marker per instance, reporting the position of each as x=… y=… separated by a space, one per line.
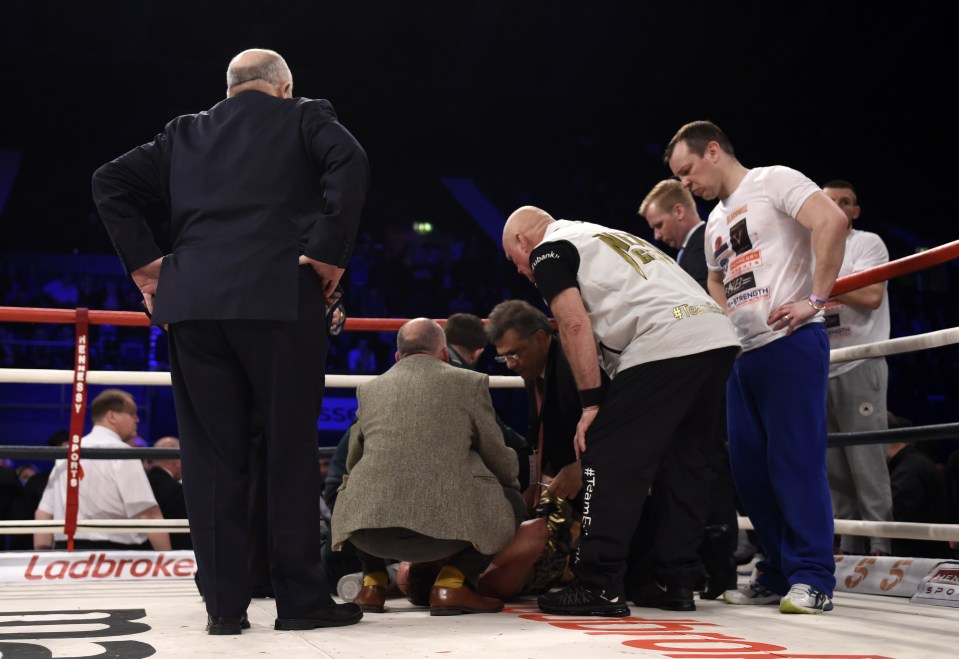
x=222 y=370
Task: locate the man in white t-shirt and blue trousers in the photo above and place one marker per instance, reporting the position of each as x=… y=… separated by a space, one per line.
x=858 y=475
x=774 y=246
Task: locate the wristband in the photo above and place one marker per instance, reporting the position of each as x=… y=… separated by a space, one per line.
x=592 y=397
x=812 y=299
x=819 y=300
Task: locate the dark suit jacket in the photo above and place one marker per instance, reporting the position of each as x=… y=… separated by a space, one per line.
x=169 y=495
x=694 y=257
x=288 y=180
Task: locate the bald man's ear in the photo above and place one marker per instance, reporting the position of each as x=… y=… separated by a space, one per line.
x=286 y=89
x=396 y=356
x=522 y=241
x=445 y=355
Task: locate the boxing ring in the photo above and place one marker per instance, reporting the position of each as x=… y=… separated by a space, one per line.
x=95 y=604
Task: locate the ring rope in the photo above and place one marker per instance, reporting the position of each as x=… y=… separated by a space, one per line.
x=897 y=268
x=914 y=343
x=903 y=266
x=935 y=339
x=162 y=378
x=898 y=530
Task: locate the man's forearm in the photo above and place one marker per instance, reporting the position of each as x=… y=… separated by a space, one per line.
x=576 y=335
x=160 y=540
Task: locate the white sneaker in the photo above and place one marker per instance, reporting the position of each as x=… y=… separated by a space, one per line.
x=803 y=598
x=753 y=594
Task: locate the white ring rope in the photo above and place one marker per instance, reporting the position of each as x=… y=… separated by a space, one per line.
x=897 y=346
x=161 y=378
x=915 y=343
x=23 y=527
x=899 y=530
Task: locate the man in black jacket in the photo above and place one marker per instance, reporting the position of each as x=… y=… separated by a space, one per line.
x=264 y=193
x=164 y=477
x=670 y=211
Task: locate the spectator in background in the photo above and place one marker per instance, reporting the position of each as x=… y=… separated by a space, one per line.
x=951 y=473
x=62 y=291
x=362 y=359
x=13 y=505
x=35 y=485
x=109 y=489
x=164 y=477
x=918 y=495
x=856 y=400
x=26 y=472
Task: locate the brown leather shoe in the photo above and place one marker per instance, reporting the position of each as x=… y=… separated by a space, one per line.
x=371 y=599
x=454 y=601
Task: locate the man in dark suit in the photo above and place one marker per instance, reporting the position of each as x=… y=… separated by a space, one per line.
x=164 y=477
x=264 y=193
x=670 y=210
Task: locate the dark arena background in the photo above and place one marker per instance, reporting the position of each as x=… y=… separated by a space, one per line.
x=468 y=110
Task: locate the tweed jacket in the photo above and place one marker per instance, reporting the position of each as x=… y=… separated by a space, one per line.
x=426 y=455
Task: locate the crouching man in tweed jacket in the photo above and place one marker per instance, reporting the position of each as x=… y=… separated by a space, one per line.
x=430 y=478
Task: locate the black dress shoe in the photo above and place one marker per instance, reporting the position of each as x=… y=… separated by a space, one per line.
x=226 y=625
x=337 y=615
x=669 y=598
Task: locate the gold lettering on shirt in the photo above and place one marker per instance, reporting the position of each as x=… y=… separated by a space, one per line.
x=687 y=310
x=633 y=250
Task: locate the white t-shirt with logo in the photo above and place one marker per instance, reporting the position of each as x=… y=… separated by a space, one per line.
x=642 y=306
x=765 y=254
x=853 y=326
x=109 y=489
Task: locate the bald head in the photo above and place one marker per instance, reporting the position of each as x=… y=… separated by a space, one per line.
x=258 y=69
x=421 y=336
x=167 y=442
x=526 y=219
x=172 y=465
x=523 y=231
